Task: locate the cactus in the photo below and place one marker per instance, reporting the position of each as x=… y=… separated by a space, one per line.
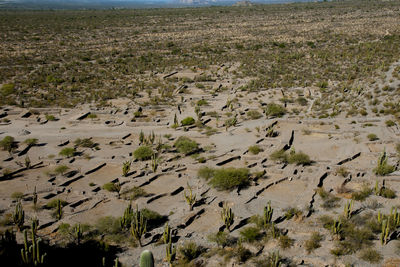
x=146 y=259
x=19 y=216
x=27 y=162
x=274 y=231
x=190 y=198
x=377 y=189
x=379 y=217
x=78 y=234
x=268 y=211
x=170 y=252
x=154 y=162
x=274 y=259
x=395 y=217
x=167 y=233
x=116 y=263
x=59 y=210
x=117 y=187
x=176 y=120
x=227 y=216
x=31 y=254
x=126 y=166
x=34 y=225
x=35 y=198
x=138 y=226
x=348 y=209
x=125 y=221
x=152 y=137
x=385 y=232
x=141 y=137
x=337 y=229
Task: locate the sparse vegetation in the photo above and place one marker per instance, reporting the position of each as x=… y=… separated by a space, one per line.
x=143 y=153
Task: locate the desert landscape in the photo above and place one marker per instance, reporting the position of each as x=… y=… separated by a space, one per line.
x=263 y=135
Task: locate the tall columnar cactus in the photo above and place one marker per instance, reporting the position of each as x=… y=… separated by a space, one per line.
x=126 y=166
x=377 y=190
x=31 y=254
x=394 y=217
x=27 y=162
x=146 y=259
x=176 y=120
x=379 y=218
x=154 y=162
x=126 y=219
x=337 y=229
x=348 y=207
x=170 y=252
x=59 y=210
x=19 y=216
x=268 y=212
x=35 y=198
x=227 y=216
x=190 y=198
x=385 y=232
x=35 y=225
x=167 y=233
x=138 y=226
x=141 y=137
x=78 y=234
x=152 y=137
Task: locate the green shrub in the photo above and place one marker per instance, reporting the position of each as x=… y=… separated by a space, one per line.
x=254 y=114
x=330 y=201
x=202 y=102
x=50 y=117
x=285 y=241
x=275 y=110
x=61 y=169
x=314 y=242
x=108 y=225
x=250 y=234
x=17 y=195
x=371 y=255
x=110 y=187
x=255 y=150
x=298 y=158
x=188 y=121
x=363 y=194
x=7 y=143
x=387 y=193
x=230 y=178
x=390 y=123
x=206 y=173
x=7 y=89
x=143 y=153
x=372 y=137
x=190 y=251
x=52 y=204
x=185 y=145
x=279 y=155
x=31 y=141
x=67 y=152
x=221 y=238
x=85 y=142
x=383 y=168
x=292 y=212
x=134 y=193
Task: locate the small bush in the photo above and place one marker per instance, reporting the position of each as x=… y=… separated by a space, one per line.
x=221 y=238
x=7 y=89
x=85 y=142
x=7 y=143
x=371 y=255
x=299 y=158
x=50 y=117
x=314 y=242
x=275 y=110
x=17 y=195
x=206 y=173
x=190 y=251
x=108 y=225
x=31 y=141
x=186 y=145
x=143 y=153
x=372 y=137
x=250 y=234
x=255 y=150
x=292 y=212
x=52 y=204
x=342 y=171
x=390 y=123
x=254 y=114
x=387 y=193
x=202 y=102
x=134 y=193
x=230 y=178
x=363 y=194
x=67 y=152
x=279 y=155
x=61 y=169
x=285 y=241
x=242 y=254
x=330 y=201
x=110 y=187
x=188 y=121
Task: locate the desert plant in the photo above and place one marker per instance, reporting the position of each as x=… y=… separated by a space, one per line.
x=170 y=252
x=35 y=198
x=254 y=114
x=59 y=210
x=190 y=197
x=221 y=238
x=67 y=152
x=126 y=219
x=143 y=153
x=187 y=121
x=17 y=195
x=348 y=207
x=314 y=242
x=185 y=145
x=372 y=137
x=167 y=233
x=126 y=166
x=383 y=168
x=285 y=241
x=31 y=254
x=250 y=234
x=141 y=137
x=154 y=162
x=138 y=226
x=274 y=110
x=337 y=229
x=19 y=216
x=385 y=232
x=229 y=178
x=268 y=212
x=8 y=144
x=27 y=162
x=31 y=142
x=78 y=234
x=255 y=150
x=61 y=169
x=227 y=216
x=146 y=259
x=190 y=251
x=371 y=255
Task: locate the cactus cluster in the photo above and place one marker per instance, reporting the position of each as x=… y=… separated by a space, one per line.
x=268 y=212
x=19 y=216
x=126 y=219
x=337 y=229
x=126 y=167
x=385 y=232
x=154 y=162
x=170 y=251
x=190 y=198
x=227 y=216
x=348 y=209
x=149 y=140
x=138 y=226
x=167 y=235
x=31 y=254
